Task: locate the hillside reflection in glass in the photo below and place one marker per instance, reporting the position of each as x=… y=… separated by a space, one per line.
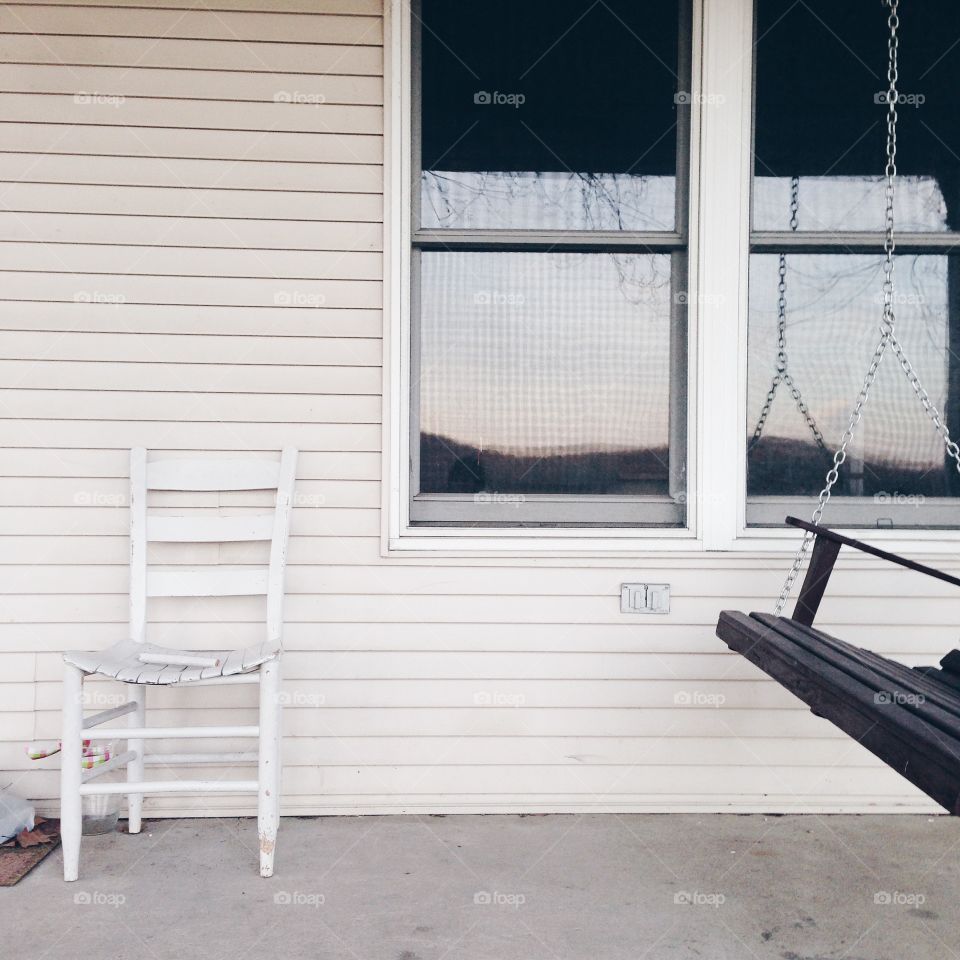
x=545 y=373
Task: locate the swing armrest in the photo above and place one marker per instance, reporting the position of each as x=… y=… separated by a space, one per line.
x=825 y=549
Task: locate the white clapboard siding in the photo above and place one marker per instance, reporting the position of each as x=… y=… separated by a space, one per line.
x=192 y=202
x=190 y=85
x=192 y=232
x=260 y=25
x=190 y=245
x=147 y=112
x=250 y=55
x=105 y=259
x=97 y=139
x=212 y=174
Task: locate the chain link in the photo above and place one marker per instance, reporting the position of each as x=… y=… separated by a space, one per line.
x=887 y=322
x=782 y=375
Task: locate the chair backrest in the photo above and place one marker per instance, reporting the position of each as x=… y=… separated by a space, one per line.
x=212 y=581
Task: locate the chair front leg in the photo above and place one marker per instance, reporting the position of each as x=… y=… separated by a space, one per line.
x=268 y=801
x=71 y=750
x=137 y=695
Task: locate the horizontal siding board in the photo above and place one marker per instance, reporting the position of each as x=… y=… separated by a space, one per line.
x=596 y=784
x=300 y=351
x=237 y=378
x=523 y=751
x=317 y=177
x=200 y=24
x=241 y=145
x=177 y=202
x=336 y=638
x=186 y=406
x=68 y=464
x=100 y=521
x=308 y=575
x=250 y=56
x=246 y=321
x=380 y=721
x=191 y=232
x=117 y=290
x=185 y=114
x=652 y=679
x=132 y=261
x=352 y=7
x=399 y=608
x=193 y=84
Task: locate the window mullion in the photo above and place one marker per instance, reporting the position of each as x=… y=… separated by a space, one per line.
x=726 y=105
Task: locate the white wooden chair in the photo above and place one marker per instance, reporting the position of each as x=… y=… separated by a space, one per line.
x=135 y=662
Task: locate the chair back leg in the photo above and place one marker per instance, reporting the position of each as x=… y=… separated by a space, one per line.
x=268 y=800
x=71 y=811
x=138 y=695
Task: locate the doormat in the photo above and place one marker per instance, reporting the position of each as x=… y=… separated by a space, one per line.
x=19 y=856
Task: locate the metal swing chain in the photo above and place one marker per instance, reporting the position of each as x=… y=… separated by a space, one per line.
x=783 y=375
x=888 y=320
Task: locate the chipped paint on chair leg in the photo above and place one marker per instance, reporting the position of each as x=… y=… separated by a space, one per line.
x=268 y=803
x=138 y=695
x=71 y=809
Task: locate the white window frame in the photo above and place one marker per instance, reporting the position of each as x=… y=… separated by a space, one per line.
x=718 y=260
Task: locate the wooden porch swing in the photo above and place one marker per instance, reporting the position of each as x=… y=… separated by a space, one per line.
x=908 y=717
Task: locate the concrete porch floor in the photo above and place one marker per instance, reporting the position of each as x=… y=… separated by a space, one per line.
x=602 y=887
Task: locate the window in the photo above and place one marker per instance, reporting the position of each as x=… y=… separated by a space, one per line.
x=548 y=330
x=816 y=250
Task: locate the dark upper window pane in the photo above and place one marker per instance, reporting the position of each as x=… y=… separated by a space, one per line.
x=549 y=114
x=821 y=71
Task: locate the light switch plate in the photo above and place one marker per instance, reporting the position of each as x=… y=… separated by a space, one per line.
x=645 y=598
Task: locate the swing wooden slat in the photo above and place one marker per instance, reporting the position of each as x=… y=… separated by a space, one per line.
x=908 y=717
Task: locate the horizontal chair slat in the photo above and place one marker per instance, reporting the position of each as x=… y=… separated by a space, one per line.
x=173 y=733
x=171 y=786
x=234 y=679
x=257 y=526
x=213 y=474
x=207 y=582
x=176 y=759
